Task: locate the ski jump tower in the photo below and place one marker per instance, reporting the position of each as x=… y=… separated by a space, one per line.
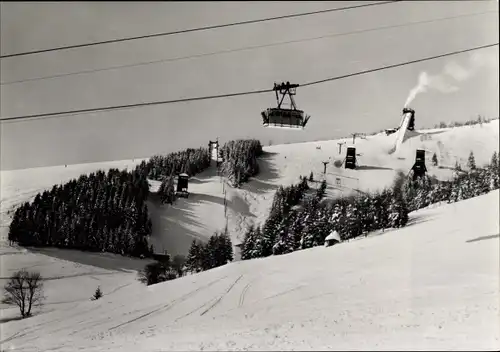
x=407 y=124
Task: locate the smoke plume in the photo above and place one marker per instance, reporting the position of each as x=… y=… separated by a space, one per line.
x=452 y=73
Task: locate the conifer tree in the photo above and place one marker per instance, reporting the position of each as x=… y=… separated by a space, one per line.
x=97 y=294
x=225 y=248
x=494 y=172
x=194 y=258
x=249 y=241
x=270 y=233
x=434 y=159
x=320 y=193
x=471 y=161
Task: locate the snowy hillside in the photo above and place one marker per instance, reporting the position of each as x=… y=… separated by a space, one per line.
x=408 y=267
x=431 y=285
x=199 y=216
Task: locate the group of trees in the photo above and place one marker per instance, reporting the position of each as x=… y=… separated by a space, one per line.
x=294 y=222
x=96 y=212
x=165 y=168
x=190 y=161
x=239 y=160
x=290 y=227
x=465 y=184
x=204 y=256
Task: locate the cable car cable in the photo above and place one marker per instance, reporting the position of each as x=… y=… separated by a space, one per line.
x=396 y=65
x=197 y=29
x=147 y=63
x=210 y=97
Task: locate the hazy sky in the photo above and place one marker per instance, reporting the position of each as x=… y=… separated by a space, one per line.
x=364 y=103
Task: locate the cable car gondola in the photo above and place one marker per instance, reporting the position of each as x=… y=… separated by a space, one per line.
x=285 y=118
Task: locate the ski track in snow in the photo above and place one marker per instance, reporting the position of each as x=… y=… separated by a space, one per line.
x=170 y=304
x=217 y=301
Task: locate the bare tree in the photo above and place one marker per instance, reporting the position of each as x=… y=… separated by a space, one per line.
x=24 y=289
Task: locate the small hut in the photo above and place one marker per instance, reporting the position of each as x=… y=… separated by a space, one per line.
x=332 y=239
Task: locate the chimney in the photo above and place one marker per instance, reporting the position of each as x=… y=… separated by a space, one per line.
x=411 y=123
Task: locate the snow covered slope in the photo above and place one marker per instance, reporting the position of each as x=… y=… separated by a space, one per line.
x=431 y=285
x=199 y=216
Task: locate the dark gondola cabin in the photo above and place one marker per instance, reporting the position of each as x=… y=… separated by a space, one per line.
x=284 y=118
x=182 y=185
x=350 y=159
x=419 y=169
x=281 y=117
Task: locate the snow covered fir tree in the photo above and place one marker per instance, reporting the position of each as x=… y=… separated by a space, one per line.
x=204 y=256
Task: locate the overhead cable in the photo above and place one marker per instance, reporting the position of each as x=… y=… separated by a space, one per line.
x=227 y=51
x=219 y=96
x=197 y=29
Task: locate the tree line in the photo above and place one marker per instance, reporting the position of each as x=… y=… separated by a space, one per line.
x=298 y=222
x=478 y=121
x=190 y=161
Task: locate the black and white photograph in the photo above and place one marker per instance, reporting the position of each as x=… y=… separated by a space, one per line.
x=249 y=176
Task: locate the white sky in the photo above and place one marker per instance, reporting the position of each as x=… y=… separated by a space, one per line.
x=365 y=103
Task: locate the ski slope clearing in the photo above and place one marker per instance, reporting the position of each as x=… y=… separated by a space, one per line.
x=200 y=215
x=431 y=285
x=67 y=280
